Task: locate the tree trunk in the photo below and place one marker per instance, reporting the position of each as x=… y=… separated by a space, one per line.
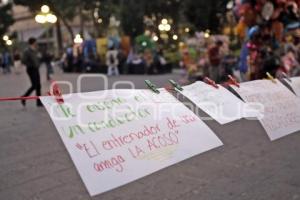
x=59 y=38
x=96 y=25
x=64 y=21
x=81 y=31
x=69 y=28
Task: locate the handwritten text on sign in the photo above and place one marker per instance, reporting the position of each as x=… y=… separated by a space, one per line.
x=220 y=104
x=281 y=106
x=115 y=137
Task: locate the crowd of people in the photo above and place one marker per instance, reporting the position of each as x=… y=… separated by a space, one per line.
x=259 y=55
x=115 y=61
x=216 y=59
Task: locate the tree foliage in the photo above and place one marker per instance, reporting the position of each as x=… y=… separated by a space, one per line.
x=205 y=14
x=65 y=10
x=200 y=13
x=6 y=18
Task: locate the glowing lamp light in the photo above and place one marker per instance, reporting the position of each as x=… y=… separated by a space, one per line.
x=41 y=19
x=164 y=21
x=5 y=38
x=206 y=35
x=161 y=27
x=144 y=44
x=78 y=39
x=45 y=9
x=155 y=38
x=167 y=27
x=51 y=18
x=9 y=42
x=175 y=37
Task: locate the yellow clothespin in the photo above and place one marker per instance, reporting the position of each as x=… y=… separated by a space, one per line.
x=270 y=77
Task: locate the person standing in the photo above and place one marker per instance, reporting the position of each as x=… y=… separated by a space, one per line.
x=47 y=60
x=6 y=62
x=31 y=61
x=112 y=62
x=17 y=62
x=215 y=58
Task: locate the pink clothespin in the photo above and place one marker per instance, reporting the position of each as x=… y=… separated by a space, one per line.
x=211 y=82
x=56 y=92
x=233 y=81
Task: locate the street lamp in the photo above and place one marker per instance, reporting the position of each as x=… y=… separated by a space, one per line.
x=5 y=38
x=78 y=39
x=45 y=9
x=164 y=25
x=45 y=16
x=155 y=38
x=9 y=42
x=175 y=37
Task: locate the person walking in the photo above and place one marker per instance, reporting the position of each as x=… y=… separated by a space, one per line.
x=215 y=58
x=112 y=62
x=31 y=61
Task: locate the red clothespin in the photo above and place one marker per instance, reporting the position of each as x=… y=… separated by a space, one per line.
x=233 y=81
x=56 y=92
x=211 y=82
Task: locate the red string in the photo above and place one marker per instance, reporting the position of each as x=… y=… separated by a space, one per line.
x=55 y=92
x=19 y=98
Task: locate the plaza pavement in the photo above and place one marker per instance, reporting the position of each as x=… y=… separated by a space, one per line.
x=34 y=164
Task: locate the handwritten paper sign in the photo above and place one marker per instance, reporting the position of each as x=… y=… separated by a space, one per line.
x=295 y=85
x=281 y=108
x=115 y=137
x=220 y=104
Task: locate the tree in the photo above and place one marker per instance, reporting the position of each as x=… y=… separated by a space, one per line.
x=65 y=10
x=133 y=12
x=205 y=14
x=6 y=19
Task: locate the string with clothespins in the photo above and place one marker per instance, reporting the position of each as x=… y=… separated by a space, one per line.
x=152 y=86
x=284 y=75
x=232 y=81
x=270 y=77
x=211 y=82
x=55 y=91
x=175 y=85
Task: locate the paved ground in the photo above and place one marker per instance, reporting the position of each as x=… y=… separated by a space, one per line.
x=34 y=164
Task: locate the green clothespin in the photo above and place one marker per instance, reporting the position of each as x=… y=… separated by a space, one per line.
x=151 y=86
x=176 y=85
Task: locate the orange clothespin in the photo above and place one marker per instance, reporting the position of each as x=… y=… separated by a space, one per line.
x=211 y=82
x=233 y=81
x=270 y=77
x=56 y=92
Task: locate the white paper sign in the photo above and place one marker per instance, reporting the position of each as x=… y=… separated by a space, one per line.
x=220 y=104
x=118 y=136
x=295 y=85
x=281 y=108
